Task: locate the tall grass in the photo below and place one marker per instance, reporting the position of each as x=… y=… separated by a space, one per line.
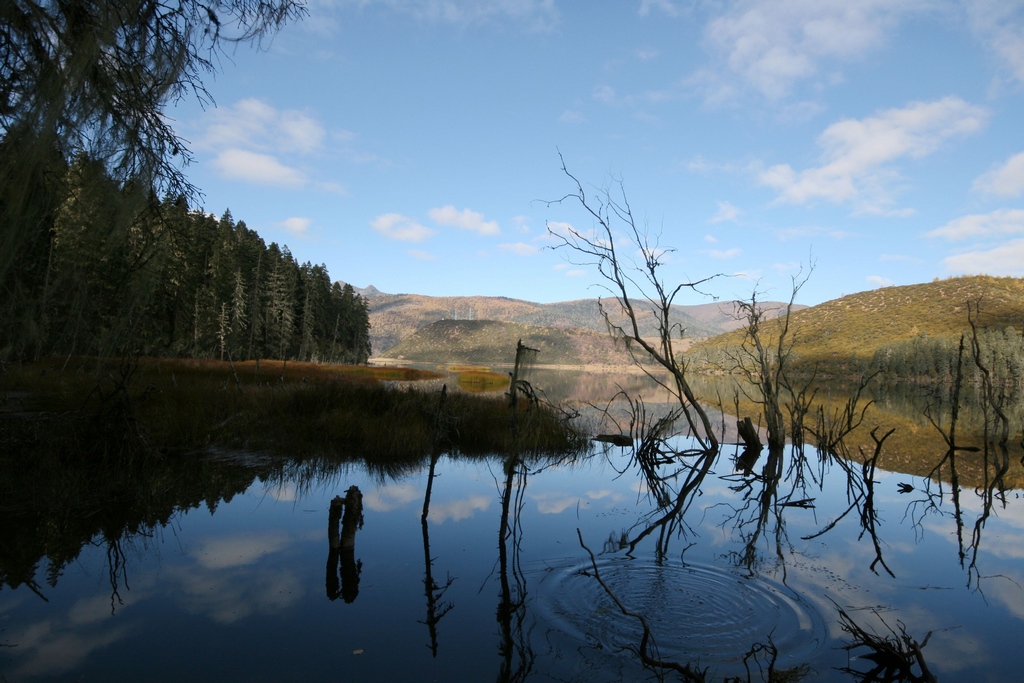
x=113 y=412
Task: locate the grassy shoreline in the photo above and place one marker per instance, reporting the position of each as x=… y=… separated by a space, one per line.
x=119 y=410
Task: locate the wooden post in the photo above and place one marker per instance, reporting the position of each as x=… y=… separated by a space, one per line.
x=353 y=518
x=348 y=513
x=333 y=519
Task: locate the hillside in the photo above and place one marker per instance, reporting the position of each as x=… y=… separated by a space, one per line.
x=394 y=317
x=489 y=342
x=846 y=332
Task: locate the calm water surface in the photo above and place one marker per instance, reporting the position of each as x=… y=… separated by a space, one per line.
x=248 y=589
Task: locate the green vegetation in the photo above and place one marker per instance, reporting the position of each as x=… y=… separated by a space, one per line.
x=481 y=381
x=934 y=359
x=896 y=329
x=85 y=78
x=107 y=276
x=487 y=342
x=142 y=410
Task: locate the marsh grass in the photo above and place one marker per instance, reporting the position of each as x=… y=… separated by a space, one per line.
x=108 y=450
x=118 y=411
x=481 y=381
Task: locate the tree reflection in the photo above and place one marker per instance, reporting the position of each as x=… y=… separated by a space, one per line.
x=943 y=411
x=437 y=606
x=515 y=649
x=55 y=509
x=894 y=656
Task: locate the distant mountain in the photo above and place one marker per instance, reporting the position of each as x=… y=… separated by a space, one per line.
x=488 y=342
x=847 y=331
x=394 y=317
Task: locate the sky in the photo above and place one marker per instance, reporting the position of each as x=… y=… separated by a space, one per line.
x=418 y=145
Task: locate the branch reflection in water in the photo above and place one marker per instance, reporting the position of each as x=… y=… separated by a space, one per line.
x=437 y=606
x=765 y=510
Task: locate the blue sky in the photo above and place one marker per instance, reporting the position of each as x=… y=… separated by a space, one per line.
x=411 y=144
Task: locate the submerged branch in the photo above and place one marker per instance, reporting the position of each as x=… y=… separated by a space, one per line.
x=687 y=672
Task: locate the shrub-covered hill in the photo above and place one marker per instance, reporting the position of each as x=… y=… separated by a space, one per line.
x=490 y=342
x=845 y=333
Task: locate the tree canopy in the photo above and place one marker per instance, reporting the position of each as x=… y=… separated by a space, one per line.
x=94 y=77
x=104 y=278
x=92 y=261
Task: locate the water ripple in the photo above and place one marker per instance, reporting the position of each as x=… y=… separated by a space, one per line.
x=696 y=613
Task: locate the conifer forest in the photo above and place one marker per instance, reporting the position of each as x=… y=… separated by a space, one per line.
x=109 y=270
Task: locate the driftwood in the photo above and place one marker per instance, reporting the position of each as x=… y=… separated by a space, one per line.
x=623 y=440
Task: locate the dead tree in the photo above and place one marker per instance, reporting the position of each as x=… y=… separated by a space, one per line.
x=764 y=359
x=637 y=290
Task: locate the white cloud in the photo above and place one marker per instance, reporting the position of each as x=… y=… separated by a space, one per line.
x=710 y=239
x=465 y=219
x=254 y=124
x=296 y=225
x=300 y=132
x=254 y=167
x=1004 y=259
x=421 y=255
x=859 y=154
x=879 y=281
x=256 y=142
x=773 y=44
x=286 y=492
x=725 y=254
x=229 y=595
x=50 y=648
x=401 y=228
x=726 y=212
x=1006 y=180
x=520 y=248
x=236 y=551
x=457 y=510
x=1000 y=24
x=998 y=223
x=393 y=496
x=522 y=224
x=553 y=503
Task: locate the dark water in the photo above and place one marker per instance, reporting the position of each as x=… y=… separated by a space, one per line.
x=239 y=583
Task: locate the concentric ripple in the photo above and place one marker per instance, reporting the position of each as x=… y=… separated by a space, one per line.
x=695 y=612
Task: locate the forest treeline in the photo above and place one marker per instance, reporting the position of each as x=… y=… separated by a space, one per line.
x=112 y=269
x=923 y=359
x=937 y=359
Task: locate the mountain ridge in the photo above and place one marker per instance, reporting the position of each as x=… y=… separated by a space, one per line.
x=395 y=317
x=842 y=333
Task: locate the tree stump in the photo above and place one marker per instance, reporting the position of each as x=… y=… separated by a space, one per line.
x=747 y=432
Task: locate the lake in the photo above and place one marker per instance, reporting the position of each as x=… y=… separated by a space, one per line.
x=223 y=570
